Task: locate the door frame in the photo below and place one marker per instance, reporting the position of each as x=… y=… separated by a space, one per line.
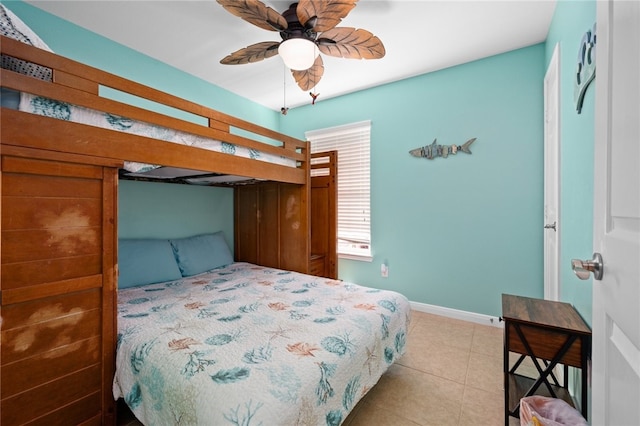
x=552 y=175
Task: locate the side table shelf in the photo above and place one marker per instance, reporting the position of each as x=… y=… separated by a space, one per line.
x=550 y=334
x=519 y=385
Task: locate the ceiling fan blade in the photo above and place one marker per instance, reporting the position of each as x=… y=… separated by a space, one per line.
x=256 y=13
x=329 y=13
x=347 y=42
x=254 y=53
x=309 y=78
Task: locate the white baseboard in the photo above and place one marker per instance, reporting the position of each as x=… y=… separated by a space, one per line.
x=457 y=314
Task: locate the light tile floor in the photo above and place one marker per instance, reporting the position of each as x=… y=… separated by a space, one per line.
x=450 y=375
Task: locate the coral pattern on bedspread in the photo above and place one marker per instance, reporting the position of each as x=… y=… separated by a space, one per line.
x=251 y=345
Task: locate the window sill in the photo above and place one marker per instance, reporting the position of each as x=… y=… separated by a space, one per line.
x=361 y=258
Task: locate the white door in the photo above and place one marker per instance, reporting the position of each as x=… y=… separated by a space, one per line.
x=551 y=177
x=616 y=298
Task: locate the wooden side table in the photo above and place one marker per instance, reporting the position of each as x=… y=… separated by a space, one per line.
x=553 y=332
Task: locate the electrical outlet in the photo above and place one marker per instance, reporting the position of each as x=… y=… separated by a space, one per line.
x=384 y=270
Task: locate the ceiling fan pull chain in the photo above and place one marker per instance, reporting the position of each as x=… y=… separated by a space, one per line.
x=284 y=108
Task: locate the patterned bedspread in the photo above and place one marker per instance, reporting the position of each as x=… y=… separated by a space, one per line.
x=250 y=345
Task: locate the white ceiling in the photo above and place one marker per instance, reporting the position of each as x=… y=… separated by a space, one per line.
x=420 y=36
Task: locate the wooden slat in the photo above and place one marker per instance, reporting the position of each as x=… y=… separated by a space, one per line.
x=109 y=291
x=82 y=413
x=51 y=396
x=45 y=167
x=268 y=226
x=23 y=213
x=34 y=292
x=22 y=185
x=215 y=124
x=63 y=157
x=246 y=223
x=295 y=246
x=36 y=244
x=97 y=420
x=319 y=219
x=320 y=181
x=290 y=142
x=23 y=274
x=71 y=80
x=37 y=370
x=2 y=177
x=20 y=343
x=317 y=265
x=49 y=308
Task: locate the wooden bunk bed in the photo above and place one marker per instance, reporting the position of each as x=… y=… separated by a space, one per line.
x=59 y=231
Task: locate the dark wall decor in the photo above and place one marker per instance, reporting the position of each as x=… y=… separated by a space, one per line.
x=586 y=67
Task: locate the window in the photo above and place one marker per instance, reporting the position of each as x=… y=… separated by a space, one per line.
x=354 y=215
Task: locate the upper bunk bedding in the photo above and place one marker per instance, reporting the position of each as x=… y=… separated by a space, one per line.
x=246 y=343
x=66 y=90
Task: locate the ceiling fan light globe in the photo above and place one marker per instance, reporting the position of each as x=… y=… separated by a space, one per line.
x=298 y=53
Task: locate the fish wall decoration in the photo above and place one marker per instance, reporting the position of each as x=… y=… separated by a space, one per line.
x=436 y=150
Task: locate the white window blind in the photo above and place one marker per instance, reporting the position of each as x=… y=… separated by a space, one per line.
x=352 y=142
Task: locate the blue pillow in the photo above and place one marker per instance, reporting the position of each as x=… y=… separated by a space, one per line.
x=201 y=253
x=146 y=261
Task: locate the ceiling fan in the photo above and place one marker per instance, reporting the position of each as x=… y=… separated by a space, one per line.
x=307 y=28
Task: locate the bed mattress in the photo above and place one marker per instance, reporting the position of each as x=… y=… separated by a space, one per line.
x=246 y=344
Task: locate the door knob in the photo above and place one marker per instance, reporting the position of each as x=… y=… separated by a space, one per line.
x=582 y=268
x=550 y=226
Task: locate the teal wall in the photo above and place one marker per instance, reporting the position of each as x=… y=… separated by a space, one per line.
x=164 y=210
x=571 y=20
x=460 y=231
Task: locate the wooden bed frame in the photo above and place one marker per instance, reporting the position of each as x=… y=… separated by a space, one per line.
x=59 y=186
